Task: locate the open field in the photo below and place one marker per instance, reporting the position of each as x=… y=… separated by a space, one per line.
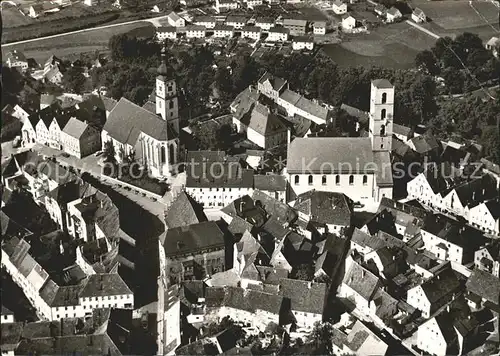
x=449 y=18
x=74 y=44
x=393 y=46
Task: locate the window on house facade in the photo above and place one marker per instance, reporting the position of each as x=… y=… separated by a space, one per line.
x=296 y=179
x=171 y=104
x=383 y=113
x=365 y=180
x=351 y=180
x=310 y=180
x=323 y=180
x=382 y=130
x=384 y=98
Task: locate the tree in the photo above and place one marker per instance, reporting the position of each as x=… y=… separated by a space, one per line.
x=321 y=337
x=490 y=138
x=224 y=136
x=73 y=80
x=426 y=61
x=109 y=153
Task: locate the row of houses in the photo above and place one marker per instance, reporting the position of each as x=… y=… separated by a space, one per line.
x=474 y=199
x=104 y=332
x=278 y=30
x=62 y=129
x=82 y=212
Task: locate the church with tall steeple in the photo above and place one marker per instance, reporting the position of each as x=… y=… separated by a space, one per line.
x=149 y=134
x=167 y=103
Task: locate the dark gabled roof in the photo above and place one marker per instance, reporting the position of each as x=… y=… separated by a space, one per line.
x=262 y=120
x=275 y=208
x=277 y=29
x=220 y=27
x=94 y=344
x=304 y=296
x=238 y=226
x=326 y=262
x=213 y=169
x=425 y=143
x=275 y=228
x=104 y=284
x=385 y=305
x=245 y=208
x=401 y=130
x=362 y=281
x=476 y=191
x=453 y=155
x=494 y=208
x=193 y=238
x=270 y=182
x=325 y=207
x=453 y=231
x=485 y=285
x=435 y=175
x=127 y=120
x=183 y=211
x=271 y=275
x=441 y=285
x=66 y=296
x=252 y=300
x=330 y=155
x=276 y=82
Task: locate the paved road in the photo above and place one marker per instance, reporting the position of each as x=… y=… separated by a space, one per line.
x=89 y=164
x=424 y=30
x=153 y=20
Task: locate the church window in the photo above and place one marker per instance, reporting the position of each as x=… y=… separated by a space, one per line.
x=171 y=104
x=163 y=154
x=365 y=180
x=382 y=130
x=381 y=145
x=351 y=179
x=383 y=114
x=384 y=98
x=337 y=179
x=171 y=154
x=323 y=180
x=297 y=179
x=310 y=179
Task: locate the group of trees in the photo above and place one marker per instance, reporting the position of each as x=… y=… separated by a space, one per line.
x=462 y=62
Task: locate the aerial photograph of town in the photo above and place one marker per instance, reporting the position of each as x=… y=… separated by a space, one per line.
x=250 y=177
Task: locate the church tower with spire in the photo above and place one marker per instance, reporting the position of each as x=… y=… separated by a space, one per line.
x=167 y=104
